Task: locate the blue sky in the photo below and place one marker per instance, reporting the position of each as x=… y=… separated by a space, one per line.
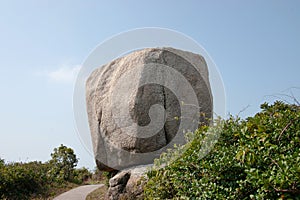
x=255 y=45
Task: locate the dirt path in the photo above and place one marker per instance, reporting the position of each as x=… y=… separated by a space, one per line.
x=78 y=193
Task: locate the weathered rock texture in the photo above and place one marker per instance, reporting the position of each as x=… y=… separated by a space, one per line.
x=128 y=184
x=144 y=101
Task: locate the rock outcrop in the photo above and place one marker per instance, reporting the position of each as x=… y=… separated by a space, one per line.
x=128 y=184
x=140 y=104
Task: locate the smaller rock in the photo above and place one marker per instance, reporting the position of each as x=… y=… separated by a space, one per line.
x=119 y=179
x=134 y=186
x=128 y=184
x=117 y=185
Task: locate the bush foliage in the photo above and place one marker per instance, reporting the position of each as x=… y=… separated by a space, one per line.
x=36 y=179
x=20 y=180
x=255 y=158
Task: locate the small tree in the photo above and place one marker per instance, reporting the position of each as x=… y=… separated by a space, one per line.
x=63 y=163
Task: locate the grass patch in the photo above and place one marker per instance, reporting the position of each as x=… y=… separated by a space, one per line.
x=98 y=194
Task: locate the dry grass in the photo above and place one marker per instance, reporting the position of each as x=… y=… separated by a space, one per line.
x=98 y=194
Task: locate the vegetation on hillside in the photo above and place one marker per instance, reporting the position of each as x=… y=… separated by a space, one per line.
x=255 y=158
x=42 y=180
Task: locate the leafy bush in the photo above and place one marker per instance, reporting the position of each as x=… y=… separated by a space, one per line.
x=81 y=175
x=20 y=180
x=24 y=180
x=256 y=158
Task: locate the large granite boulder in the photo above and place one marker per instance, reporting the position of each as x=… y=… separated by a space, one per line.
x=141 y=104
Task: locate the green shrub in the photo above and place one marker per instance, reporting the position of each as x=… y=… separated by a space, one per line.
x=81 y=175
x=256 y=158
x=37 y=179
x=20 y=180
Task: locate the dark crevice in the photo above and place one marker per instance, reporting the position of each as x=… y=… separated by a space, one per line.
x=165 y=107
x=165 y=104
x=100 y=165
